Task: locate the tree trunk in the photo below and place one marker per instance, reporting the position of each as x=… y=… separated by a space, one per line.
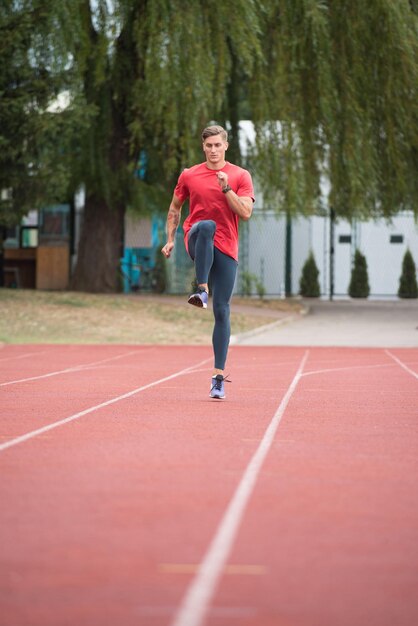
x=100 y=248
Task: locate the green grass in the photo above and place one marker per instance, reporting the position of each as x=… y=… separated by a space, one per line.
x=29 y=316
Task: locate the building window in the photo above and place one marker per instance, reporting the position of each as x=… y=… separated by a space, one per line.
x=344 y=239
x=54 y=223
x=28 y=236
x=396 y=239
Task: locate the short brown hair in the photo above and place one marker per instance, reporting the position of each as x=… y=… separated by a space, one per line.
x=211 y=131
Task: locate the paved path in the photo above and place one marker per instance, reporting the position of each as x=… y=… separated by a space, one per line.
x=355 y=323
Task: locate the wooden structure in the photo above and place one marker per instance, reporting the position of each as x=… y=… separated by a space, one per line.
x=19 y=268
x=36 y=254
x=52 y=267
x=44 y=267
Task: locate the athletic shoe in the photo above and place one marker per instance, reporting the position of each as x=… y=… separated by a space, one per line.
x=200 y=299
x=217 y=390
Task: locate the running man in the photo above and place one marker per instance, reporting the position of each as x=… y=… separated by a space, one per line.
x=219 y=193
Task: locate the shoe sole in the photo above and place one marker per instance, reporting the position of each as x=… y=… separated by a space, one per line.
x=196 y=301
x=216 y=397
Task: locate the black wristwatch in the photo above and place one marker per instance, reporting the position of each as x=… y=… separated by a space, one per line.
x=226 y=189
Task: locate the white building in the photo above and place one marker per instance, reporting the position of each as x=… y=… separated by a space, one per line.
x=274 y=251
x=264 y=252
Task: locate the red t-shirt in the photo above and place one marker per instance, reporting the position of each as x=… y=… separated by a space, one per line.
x=208 y=202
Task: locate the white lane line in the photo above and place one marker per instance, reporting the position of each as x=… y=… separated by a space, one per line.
x=350 y=367
x=225 y=612
x=75 y=368
x=200 y=593
x=66 y=420
x=22 y=356
x=399 y=362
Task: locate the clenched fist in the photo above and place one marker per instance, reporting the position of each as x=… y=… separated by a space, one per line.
x=167 y=249
x=222 y=179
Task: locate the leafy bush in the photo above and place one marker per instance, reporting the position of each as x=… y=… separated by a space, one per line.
x=250 y=282
x=309 y=284
x=359 y=283
x=408 y=287
x=247 y=283
x=261 y=290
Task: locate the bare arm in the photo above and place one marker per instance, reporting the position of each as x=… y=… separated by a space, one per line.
x=241 y=205
x=173 y=221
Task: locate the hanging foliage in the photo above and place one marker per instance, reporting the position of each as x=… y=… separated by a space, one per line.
x=330 y=85
x=341 y=78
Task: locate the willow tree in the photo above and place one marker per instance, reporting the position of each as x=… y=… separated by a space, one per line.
x=153 y=73
x=330 y=84
x=341 y=78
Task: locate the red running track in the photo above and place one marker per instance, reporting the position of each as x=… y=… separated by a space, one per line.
x=130 y=498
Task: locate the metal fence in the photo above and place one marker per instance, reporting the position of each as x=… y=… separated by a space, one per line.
x=273 y=250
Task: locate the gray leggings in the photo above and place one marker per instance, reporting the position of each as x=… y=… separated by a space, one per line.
x=214 y=267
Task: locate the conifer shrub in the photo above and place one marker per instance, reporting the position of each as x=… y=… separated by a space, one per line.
x=359 y=283
x=408 y=287
x=309 y=284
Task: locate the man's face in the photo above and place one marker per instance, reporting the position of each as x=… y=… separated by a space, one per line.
x=214 y=148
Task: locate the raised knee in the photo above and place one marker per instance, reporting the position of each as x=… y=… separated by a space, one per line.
x=207 y=227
